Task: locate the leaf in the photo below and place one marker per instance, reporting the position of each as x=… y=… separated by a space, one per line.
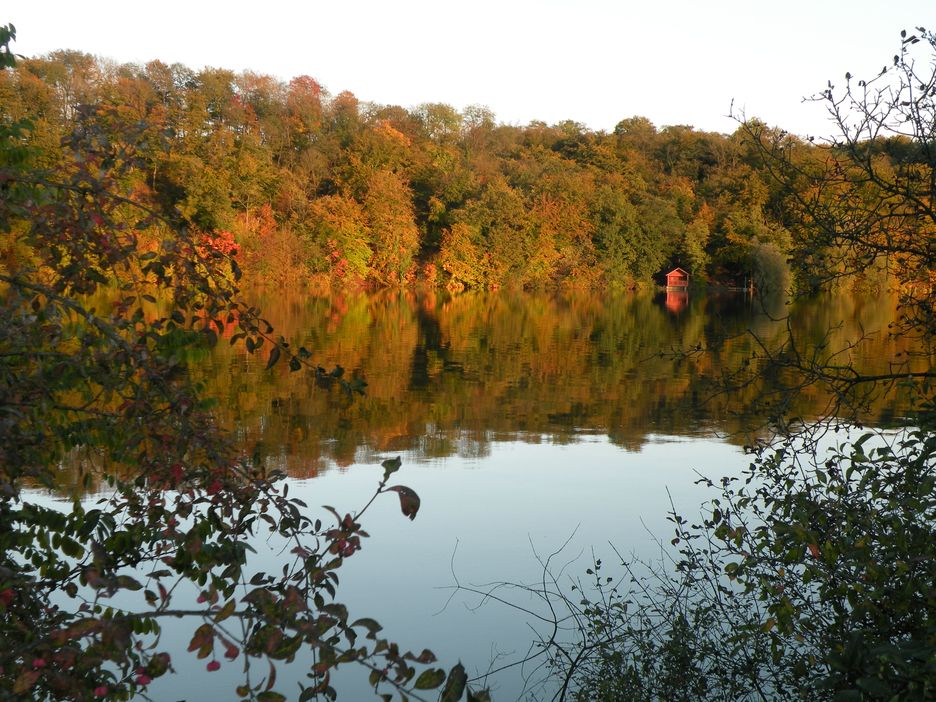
x=271 y=681
x=878 y=689
x=425 y=657
x=391 y=466
x=295 y=364
x=72 y=548
x=226 y=611
x=371 y=625
x=430 y=679
x=337 y=610
x=479 y=696
x=409 y=500
x=274 y=357
x=25 y=680
x=270 y=696
x=202 y=638
x=128 y=583
x=455 y=685
x=230 y=650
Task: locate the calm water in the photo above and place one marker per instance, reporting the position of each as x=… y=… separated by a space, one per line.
x=524 y=421
x=455 y=376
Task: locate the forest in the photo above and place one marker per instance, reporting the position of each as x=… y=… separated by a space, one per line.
x=136 y=200
x=308 y=187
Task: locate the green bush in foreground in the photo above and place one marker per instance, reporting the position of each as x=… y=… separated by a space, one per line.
x=805 y=581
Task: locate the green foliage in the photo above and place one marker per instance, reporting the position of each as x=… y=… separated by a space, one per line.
x=461 y=255
x=367 y=194
x=505 y=233
x=694 y=245
x=7 y=36
x=93 y=382
x=340 y=229
x=615 y=233
x=812 y=575
x=769 y=269
x=803 y=581
x=389 y=212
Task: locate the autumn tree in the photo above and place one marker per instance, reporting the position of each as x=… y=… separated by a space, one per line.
x=462 y=257
x=506 y=232
x=98 y=390
x=577 y=207
x=340 y=238
x=811 y=575
x=395 y=240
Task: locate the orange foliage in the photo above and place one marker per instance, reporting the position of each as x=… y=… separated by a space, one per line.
x=252 y=230
x=460 y=257
x=384 y=127
x=430 y=273
x=221 y=242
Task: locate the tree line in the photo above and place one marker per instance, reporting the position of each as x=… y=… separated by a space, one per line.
x=310 y=187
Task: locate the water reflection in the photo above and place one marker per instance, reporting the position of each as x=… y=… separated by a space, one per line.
x=676 y=300
x=448 y=375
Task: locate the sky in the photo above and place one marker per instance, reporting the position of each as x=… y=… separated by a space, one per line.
x=592 y=61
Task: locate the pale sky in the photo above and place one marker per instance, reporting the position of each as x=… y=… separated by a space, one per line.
x=592 y=61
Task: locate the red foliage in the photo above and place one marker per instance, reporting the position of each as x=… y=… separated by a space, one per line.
x=222 y=242
x=305 y=86
x=339 y=263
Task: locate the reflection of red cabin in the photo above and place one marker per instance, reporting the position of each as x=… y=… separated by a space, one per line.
x=676 y=300
x=677 y=279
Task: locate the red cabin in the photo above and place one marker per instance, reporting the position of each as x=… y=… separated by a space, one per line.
x=677 y=279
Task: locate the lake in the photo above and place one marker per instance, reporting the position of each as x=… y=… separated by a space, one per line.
x=454 y=376
x=528 y=424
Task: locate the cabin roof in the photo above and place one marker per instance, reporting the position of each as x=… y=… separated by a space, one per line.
x=678 y=271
